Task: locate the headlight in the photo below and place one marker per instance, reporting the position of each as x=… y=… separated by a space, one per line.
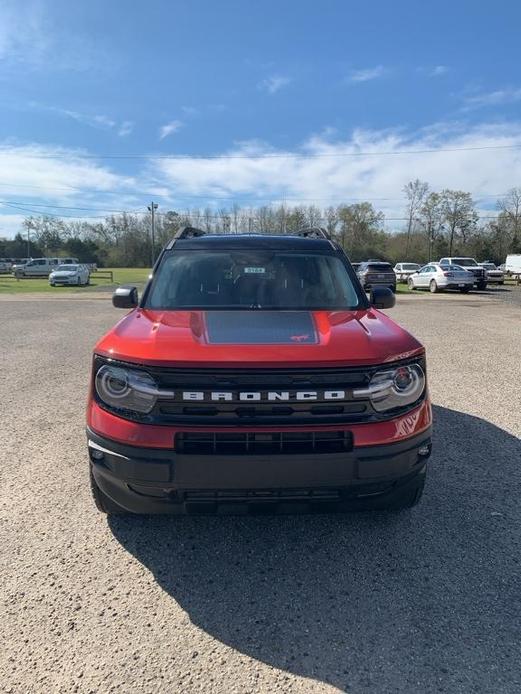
x=397 y=387
x=126 y=389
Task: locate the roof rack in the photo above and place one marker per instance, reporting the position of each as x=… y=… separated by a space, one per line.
x=313 y=231
x=186 y=233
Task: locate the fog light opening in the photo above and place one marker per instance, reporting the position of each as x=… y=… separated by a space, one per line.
x=424 y=451
x=96 y=455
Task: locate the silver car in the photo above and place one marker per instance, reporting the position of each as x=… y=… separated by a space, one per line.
x=436 y=278
x=69 y=274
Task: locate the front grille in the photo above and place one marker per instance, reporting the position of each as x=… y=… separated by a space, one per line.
x=235 y=413
x=260 y=443
x=241 y=413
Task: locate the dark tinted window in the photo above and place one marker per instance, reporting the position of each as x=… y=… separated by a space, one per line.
x=379 y=267
x=252 y=278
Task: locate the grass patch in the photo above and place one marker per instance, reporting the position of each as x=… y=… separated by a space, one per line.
x=122 y=275
x=403 y=288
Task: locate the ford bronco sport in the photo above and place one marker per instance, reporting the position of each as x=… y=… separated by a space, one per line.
x=255 y=374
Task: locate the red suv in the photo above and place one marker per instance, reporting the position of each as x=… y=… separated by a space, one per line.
x=254 y=374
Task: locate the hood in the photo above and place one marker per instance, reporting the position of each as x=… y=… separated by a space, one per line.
x=240 y=338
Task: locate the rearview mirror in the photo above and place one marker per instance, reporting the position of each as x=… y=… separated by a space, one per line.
x=125 y=297
x=382 y=297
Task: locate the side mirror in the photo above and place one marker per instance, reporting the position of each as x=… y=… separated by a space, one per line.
x=125 y=297
x=382 y=297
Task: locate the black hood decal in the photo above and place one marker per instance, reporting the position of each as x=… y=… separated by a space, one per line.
x=257 y=327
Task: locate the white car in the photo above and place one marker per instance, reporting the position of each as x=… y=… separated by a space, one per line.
x=5 y=266
x=404 y=270
x=69 y=274
x=513 y=264
x=436 y=277
x=494 y=274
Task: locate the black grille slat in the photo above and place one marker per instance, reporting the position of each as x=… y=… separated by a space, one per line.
x=261 y=443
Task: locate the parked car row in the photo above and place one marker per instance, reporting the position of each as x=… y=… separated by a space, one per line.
x=40 y=267
x=461 y=273
x=7 y=264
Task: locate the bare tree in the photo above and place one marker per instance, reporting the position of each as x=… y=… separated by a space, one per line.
x=430 y=218
x=509 y=220
x=331 y=217
x=415 y=191
x=459 y=215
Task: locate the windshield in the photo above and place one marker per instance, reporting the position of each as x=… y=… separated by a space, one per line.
x=489 y=266
x=252 y=278
x=67 y=268
x=410 y=266
x=466 y=262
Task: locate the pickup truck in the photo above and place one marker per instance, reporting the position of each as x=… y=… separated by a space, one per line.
x=480 y=274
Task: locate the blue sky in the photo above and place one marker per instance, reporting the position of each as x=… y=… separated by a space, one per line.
x=83 y=83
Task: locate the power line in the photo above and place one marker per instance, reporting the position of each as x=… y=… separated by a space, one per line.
x=267 y=155
x=66 y=207
x=201 y=216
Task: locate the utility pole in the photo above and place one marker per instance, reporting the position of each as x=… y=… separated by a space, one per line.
x=152 y=209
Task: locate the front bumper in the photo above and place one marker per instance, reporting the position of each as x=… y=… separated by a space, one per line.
x=369 y=284
x=152 y=480
x=63 y=280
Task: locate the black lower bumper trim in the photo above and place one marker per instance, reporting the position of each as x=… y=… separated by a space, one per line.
x=144 y=480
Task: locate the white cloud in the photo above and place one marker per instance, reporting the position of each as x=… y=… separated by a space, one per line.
x=274 y=83
x=32 y=175
x=99 y=121
x=190 y=110
x=509 y=95
x=374 y=170
x=169 y=128
x=439 y=70
x=24 y=35
x=33 y=34
x=126 y=127
x=371 y=171
x=366 y=74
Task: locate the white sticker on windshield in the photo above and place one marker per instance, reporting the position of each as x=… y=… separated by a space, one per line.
x=255 y=270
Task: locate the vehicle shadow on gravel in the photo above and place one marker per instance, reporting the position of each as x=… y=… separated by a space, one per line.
x=423 y=600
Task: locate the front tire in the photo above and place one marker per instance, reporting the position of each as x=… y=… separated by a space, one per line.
x=410 y=284
x=102 y=501
x=465 y=290
x=482 y=286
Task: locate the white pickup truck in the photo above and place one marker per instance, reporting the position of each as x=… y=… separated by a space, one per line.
x=480 y=274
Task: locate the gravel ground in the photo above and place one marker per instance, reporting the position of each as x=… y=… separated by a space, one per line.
x=422 y=601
